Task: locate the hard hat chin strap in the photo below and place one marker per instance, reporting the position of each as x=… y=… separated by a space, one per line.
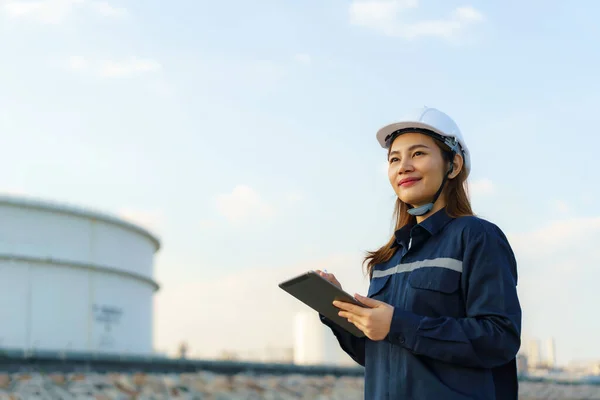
x=426 y=208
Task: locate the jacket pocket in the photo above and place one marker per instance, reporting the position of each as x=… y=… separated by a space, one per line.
x=435 y=279
x=435 y=292
x=377 y=286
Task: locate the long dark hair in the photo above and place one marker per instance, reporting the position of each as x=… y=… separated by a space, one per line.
x=457 y=205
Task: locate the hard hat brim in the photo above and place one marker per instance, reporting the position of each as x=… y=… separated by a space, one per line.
x=387 y=130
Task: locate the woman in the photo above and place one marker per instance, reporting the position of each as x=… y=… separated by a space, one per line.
x=443 y=318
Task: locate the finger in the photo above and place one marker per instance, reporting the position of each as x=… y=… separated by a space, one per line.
x=367 y=301
x=359 y=324
x=359 y=319
x=326 y=277
x=350 y=316
x=351 y=308
x=340 y=304
x=323 y=274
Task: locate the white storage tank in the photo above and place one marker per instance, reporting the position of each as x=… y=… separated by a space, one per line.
x=314 y=342
x=74 y=280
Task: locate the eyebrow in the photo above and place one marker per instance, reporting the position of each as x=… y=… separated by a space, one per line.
x=414 y=146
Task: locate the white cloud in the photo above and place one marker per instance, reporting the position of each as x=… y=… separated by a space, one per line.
x=303 y=58
x=481 y=187
x=558 y=268
x=253 y=301
x=468 y=14
x=385 y=17
x=243 y=203
x=113 y=68
x=559 y=235
x=57 y=11
x=44 y=11
x=380 y=14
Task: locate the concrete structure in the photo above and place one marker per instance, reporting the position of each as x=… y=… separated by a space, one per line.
x=74 y=280
x=314 y=343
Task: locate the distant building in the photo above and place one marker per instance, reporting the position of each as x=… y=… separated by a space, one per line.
x=183 y=350
x=533 y=354
x=584 y=367
x=314 y=343
x=228 y=355
x=551 y=353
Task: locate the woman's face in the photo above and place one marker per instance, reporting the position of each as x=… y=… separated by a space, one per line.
x=416 y=168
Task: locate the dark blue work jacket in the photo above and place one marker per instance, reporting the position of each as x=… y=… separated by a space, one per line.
x=456 y=325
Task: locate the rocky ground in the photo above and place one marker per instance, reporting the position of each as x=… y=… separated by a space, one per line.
x=209 y=386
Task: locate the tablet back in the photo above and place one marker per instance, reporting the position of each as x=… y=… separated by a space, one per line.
x=319 y=294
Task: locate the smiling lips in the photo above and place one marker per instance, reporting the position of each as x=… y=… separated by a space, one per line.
x=406 y=182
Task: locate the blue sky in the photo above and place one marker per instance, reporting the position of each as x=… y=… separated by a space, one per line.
x=243 y=133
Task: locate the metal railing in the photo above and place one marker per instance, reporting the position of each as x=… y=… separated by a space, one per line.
x=73 y=361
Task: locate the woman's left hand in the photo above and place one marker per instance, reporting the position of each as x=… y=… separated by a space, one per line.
x=374 y=321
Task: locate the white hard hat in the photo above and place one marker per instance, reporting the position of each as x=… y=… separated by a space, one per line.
x=432 y=120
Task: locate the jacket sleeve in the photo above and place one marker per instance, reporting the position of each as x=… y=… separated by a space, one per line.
x=352 y=345
x=489 y=335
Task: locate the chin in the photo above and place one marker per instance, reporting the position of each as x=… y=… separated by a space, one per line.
x=412 y=200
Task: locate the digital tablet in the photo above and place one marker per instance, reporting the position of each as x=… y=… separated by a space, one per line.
x=318 y=293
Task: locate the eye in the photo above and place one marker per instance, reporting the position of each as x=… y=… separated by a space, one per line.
x=418 y=153
x=394 y=159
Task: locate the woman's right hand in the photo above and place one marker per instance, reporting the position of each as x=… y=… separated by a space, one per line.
x=330 y=277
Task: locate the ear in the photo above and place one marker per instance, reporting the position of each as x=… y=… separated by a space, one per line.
x=457 y=164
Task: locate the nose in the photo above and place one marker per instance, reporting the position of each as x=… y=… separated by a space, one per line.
x=405 y=165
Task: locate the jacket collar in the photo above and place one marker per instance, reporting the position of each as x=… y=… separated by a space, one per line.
x=432 y=225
